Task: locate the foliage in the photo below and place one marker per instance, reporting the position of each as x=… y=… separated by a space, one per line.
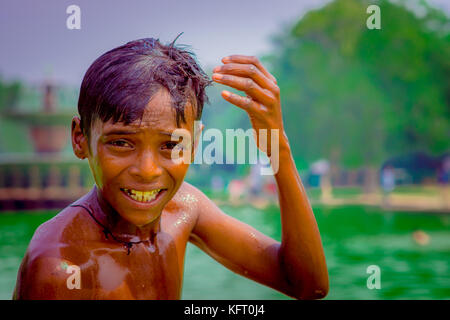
x=357 y=96
x=10 y=132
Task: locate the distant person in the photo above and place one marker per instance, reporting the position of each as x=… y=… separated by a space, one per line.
x=444 y=182
x=270 y=190
x=321 y=168
x=255 y=180
x=236 y=190
x=387 y=183
x=388 y=179
x=444 y=172
x=126 y=238
x=217 y=184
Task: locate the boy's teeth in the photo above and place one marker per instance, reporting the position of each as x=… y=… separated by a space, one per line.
x=142 y=196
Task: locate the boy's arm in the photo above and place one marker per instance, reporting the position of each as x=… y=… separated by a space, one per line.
x=297 y=266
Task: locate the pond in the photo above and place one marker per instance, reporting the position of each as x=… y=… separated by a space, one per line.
x=354 y=238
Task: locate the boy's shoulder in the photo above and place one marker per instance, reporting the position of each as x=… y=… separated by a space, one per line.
x=188 y=199
x=71 y=227
x=57 y=244
x=185 y=208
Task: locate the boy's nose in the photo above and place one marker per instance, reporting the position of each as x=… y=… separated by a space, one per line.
x=146 y=168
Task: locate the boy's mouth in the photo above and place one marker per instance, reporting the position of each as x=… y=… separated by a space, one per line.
x=142 y=196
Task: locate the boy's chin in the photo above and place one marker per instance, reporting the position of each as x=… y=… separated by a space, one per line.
x=139 y=216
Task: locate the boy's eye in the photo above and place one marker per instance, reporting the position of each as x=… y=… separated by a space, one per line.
x=120 y=143
x=170 y=145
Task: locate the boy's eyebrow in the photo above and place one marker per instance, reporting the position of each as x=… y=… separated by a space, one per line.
x=165 y=133
x=120 y=131
x=128 y=131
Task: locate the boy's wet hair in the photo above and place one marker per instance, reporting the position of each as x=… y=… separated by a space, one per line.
x=121 y=82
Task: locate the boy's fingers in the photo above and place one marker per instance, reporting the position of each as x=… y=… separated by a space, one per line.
x=242 y=102
x=247 y=85
x=247 y=70
x=237 y=58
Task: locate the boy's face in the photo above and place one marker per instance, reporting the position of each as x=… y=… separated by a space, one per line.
x=132 y=164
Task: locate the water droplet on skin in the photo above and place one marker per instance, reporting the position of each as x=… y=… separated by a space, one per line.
x=183 y=219
x=151 y=247
x=188 y=199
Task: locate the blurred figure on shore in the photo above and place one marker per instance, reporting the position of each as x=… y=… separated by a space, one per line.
x=270 y=190
x=262 y=188
x=444 y=182
x=255 y=181
x=236 y=191
x=217 y=184
x=387 y=183
x=321 y=168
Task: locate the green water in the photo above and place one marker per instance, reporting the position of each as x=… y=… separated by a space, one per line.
x=353 y=237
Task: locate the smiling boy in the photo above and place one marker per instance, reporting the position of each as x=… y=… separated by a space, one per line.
x=126 y=238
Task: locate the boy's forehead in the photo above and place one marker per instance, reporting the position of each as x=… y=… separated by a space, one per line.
x=159 y=115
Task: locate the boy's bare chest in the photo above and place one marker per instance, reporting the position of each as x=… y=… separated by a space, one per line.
x=149 y=271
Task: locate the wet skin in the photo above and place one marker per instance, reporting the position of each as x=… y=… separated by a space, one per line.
x=138 y=156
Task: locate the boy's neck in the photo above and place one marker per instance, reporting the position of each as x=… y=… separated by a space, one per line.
x=118 y=226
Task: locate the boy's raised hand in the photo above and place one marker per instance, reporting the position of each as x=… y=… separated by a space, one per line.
x=262 y=103
x=297 y=265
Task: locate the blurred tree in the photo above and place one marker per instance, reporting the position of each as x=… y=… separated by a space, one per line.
x=9 y=94
x=13 y=137
x=357 y=96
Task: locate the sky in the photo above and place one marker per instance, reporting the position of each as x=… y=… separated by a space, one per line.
x=37 y=45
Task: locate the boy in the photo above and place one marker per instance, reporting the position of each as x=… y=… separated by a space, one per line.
x=126 y=238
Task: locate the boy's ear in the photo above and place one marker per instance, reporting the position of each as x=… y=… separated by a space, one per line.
x=79 y=140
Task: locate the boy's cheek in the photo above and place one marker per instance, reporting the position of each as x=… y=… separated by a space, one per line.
x=179 y=171
x=104 y=169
